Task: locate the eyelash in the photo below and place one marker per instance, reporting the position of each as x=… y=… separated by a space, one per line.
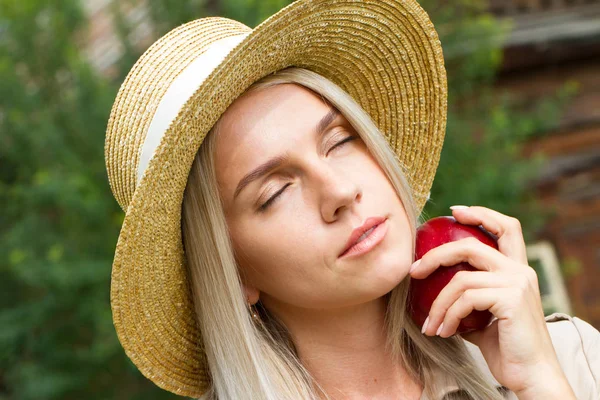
x=266 y=205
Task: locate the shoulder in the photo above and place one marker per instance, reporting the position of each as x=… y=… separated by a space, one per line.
x=577 y=346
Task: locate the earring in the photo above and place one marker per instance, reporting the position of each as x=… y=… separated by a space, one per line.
x=255 y=316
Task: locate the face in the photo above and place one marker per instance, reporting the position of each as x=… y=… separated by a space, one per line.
x=290 y=224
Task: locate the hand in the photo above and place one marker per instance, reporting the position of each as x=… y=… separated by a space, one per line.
x=516 y=345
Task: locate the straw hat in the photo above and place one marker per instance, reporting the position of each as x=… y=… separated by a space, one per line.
x=384 y=53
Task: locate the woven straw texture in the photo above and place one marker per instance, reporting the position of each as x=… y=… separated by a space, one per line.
x=384 y=53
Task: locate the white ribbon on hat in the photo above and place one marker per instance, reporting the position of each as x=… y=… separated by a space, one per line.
x=178 y=93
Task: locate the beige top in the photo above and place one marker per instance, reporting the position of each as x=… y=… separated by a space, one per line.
x=577 y=346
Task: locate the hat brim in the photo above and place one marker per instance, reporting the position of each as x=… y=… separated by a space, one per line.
x=385 y=54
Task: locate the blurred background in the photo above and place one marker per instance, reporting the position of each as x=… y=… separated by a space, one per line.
x=523 y=138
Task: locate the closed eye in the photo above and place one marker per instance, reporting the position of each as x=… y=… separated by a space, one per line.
x=271 y=200
x=343 y=142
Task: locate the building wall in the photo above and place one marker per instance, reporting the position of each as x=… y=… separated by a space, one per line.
x=536 y=65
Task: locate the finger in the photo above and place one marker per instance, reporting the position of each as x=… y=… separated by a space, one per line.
x=470 y=250
x=507 y=229
x=472 y=299
x=461 y=282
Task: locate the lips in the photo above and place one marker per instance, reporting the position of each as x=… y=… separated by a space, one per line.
x=357 y=233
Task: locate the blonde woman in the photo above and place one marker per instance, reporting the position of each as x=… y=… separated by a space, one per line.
x=273 y=181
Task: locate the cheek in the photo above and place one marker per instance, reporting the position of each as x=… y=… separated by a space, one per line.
x=275 y=253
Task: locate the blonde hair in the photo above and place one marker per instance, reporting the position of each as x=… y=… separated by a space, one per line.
x=257 y=359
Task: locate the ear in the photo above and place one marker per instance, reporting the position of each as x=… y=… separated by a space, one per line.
x=251 y=293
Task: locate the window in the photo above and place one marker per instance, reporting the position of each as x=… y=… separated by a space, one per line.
x=542 y=258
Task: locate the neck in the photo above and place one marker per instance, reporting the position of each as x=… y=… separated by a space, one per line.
x=345 y=351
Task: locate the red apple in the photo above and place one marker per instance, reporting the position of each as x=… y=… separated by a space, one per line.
x=423 y=292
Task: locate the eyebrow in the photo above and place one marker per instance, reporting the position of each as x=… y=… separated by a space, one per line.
x=275 y=162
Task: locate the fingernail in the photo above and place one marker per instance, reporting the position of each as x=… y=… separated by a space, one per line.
x=424 y=328
x=414 y=266
x=440 y=329
x=459 y=207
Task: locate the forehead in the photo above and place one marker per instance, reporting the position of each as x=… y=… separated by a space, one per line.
x=261 y=125
x=256 y=114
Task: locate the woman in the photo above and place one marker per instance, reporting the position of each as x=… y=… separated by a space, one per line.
x=243 y=270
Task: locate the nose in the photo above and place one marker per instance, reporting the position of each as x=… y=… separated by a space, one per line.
x=339 y=192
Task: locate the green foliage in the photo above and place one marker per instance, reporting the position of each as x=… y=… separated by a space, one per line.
x=166 y=14
x=59 y=222
x=472 y=42
x=251 y=12
x=482 y=162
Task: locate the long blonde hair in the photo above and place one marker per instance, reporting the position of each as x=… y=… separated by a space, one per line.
x=251 y=359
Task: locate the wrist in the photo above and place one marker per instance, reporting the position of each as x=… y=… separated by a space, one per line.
x=549 y=387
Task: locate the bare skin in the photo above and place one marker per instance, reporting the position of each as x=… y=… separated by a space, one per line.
x=288 y=253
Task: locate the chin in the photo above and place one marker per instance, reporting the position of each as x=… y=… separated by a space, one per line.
x=387 y=273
